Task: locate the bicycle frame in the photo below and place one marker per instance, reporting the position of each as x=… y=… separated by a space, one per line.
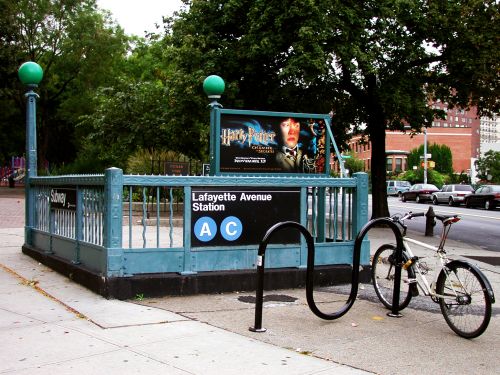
x=420 y=278
x=440 y=263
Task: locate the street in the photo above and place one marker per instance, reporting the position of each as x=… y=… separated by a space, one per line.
x=478 y=226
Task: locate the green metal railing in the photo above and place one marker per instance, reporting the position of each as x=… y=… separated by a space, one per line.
x=130 y=224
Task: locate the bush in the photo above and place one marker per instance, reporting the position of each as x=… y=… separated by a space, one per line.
x=417 y=176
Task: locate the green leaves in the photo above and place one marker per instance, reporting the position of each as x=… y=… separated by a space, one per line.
x=488 y=167
x=78 y=49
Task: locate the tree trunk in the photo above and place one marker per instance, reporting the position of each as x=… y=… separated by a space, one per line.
x=378 y=168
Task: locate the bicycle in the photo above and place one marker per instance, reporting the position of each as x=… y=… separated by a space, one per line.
x=463 y=292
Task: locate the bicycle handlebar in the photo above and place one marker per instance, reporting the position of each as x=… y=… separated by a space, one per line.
x=410 y=215
x=407 y=216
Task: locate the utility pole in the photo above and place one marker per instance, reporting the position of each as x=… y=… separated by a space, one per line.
x=425 y=155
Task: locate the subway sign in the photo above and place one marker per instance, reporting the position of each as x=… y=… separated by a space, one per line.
x=242 y=216
x=63 y=198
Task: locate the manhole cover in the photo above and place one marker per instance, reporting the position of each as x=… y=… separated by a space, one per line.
x=268 y=298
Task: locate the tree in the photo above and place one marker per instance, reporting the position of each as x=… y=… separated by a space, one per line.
x=376 y=64
x=248 y=43
x=440 y=154
x=353 y=164
x=11 y=136
x=488 y=167
x=133 y=115
x=79 y=49
x=393 y=57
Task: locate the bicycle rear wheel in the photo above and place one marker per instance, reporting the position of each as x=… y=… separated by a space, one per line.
x=383 y=277
x=464 y=300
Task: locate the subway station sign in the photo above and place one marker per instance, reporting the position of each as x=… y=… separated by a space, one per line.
x=63 y=198
x=242 y=216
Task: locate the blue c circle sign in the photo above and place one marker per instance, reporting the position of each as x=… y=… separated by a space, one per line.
x=205 y=229
x=231 y=228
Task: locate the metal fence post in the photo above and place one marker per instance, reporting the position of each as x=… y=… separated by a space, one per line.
x=360 y=202
x=78 y=223
x=360 y=210
x=113 y=221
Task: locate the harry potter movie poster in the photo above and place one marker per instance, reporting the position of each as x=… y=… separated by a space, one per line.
x=265 y=144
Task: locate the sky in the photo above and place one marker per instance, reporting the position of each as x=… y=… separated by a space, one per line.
x=136 y=16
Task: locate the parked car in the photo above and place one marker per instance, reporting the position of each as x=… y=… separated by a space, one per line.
x=452 y=194
x=419 y=193
x=395 y=187
x=487 y=196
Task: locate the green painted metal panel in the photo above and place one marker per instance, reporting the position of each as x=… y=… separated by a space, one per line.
x=153 y=261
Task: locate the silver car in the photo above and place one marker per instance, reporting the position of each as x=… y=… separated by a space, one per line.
x=453 y=194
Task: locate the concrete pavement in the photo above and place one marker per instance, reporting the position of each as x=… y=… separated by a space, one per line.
x=50 y=325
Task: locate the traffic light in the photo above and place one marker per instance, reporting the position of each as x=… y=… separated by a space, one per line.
x=430 y=164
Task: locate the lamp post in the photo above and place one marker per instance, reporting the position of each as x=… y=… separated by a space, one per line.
x=30 y=74
x=425 y=155
x=213 y=86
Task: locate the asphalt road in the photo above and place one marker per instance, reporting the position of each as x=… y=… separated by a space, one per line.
x=478 y=226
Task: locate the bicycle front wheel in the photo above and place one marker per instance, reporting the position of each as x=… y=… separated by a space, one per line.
x=464 y=299
x=383 y=277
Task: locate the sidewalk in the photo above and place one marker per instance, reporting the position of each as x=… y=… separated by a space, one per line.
x=50 y=325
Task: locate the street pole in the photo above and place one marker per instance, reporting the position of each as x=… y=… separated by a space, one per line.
x=30 y=74
x=425 y=155
x=214 y=88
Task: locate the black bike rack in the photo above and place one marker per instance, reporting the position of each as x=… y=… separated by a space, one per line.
x=399 y=256
x=259 y=294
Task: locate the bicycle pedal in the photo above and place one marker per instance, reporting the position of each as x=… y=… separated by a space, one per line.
x=414 y=290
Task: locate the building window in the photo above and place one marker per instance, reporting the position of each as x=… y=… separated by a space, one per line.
x=389 y=165
x=399 y=165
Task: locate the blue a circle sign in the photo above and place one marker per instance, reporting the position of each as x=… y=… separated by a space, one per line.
x=205 y=229
x=230 y=216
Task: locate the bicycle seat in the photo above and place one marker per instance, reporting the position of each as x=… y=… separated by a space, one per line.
x=447 y=220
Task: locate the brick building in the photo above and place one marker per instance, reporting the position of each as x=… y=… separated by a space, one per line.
x=460 y=131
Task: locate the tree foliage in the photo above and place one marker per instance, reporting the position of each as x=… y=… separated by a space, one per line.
x=354 y=164
x=132 y=115
x=417 y=176
x=78 y=48
x=488 y=167
x=440 y=154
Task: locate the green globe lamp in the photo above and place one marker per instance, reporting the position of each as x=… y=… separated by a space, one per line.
x=30 y=73
x=213 y=86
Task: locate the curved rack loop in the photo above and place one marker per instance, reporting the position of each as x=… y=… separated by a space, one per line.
x=399 y=257
x=259 y=293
